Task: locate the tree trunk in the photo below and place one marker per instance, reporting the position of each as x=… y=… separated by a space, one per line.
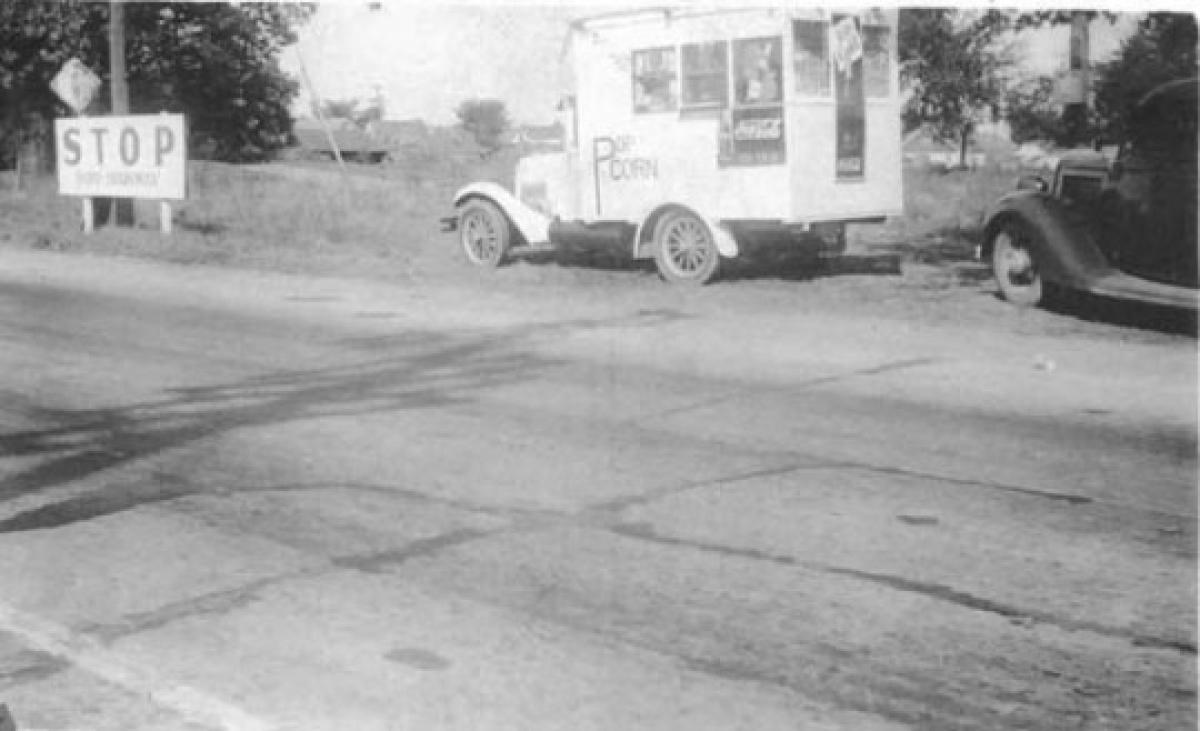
x=964 y=137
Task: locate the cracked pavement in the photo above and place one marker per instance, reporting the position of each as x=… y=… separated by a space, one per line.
x=238 y=500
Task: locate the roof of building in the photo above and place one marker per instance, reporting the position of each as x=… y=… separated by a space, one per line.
x=311 y=135
x=394 y=132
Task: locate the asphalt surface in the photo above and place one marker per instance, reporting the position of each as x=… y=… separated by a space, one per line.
x=237 y=501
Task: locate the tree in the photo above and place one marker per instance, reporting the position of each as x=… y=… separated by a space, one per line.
x=486 y=119
x=336 y=108
x=360 y=112
x=214 y=62
x=36 y=38
x=1163 y=49
x=1067 y=125
x=949 y=63
x=1034 y=113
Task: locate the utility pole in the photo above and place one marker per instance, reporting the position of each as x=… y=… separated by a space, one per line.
x=1075 y=111
x=121 y=210
x=116 y=57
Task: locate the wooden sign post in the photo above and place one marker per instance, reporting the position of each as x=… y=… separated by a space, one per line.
x=77 y=85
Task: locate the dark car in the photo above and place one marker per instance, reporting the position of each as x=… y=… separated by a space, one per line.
x=1124 y=229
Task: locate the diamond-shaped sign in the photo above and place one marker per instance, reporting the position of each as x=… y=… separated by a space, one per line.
x=76 y=85
x=847 y=43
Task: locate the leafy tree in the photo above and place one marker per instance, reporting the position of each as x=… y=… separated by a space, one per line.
x=1034 y=113
x=358 y=111
x=486 y=119
x=36 y=38
x=336 y=108
x=949 y=63
x=1163 y=49
x=217 y=63
x=1039 y=18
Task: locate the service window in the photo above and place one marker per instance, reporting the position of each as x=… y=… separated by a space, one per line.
x=758 y=63
x=655 y=80
x=811 y=57
x=751 y=132
x=877 y=61
x=705 y=75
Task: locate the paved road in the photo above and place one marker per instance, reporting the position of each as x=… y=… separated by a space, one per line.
x=239 y=501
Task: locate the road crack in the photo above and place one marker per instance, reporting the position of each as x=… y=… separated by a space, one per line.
x=933 y=590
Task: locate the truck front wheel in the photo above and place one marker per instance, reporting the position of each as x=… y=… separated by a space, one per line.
x=484 y=233
x=684 y=249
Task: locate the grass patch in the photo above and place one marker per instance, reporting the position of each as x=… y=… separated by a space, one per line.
x=383 y=221
x=380 y=222
x=951 y=203
x=944 y=212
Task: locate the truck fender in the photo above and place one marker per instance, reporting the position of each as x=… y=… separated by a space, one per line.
x=1065 y=250
x=643 y=244
x=533 y=226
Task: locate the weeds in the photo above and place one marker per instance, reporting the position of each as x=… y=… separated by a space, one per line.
x=383 y=220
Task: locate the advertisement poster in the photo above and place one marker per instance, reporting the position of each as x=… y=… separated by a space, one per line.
x=751 y=136
x=848 y=95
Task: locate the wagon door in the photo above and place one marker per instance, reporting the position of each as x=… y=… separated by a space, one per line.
x=845 y=114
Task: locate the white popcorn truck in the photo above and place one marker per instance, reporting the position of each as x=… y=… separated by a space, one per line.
x=697 y=134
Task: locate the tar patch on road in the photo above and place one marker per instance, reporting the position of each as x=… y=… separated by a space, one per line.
x=646 y=532
x=314 y=298
x=417 y=658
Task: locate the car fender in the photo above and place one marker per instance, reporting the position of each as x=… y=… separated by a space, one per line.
x=643 y=240
x=533 y=225
x=1065 y=250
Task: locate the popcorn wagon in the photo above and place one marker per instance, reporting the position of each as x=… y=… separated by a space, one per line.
x=695 y=135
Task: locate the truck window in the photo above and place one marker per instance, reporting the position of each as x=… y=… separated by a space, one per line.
x=757 y=66
x=705 y=75
x=655 y=81
x=811 y=57
x=877 y=56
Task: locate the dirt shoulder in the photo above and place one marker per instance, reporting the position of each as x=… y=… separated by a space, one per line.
x=381 y=224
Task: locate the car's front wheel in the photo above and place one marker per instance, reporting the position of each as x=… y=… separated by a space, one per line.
x=484 y=233
x=1015 y=265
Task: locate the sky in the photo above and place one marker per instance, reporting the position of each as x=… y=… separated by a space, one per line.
x=425 y=58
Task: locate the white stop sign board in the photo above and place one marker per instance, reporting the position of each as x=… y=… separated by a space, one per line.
x=139 y=156
x=76 y=85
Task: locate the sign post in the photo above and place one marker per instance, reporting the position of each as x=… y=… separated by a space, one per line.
x=76 y=86
x=138 y=156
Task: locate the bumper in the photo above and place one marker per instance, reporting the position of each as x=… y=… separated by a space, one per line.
x=449 y=224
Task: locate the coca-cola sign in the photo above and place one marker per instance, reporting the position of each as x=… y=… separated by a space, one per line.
x=758 y=129
x=752 y=136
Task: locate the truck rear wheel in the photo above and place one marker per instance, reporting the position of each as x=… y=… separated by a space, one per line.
x=484 y=233
x=684 y=249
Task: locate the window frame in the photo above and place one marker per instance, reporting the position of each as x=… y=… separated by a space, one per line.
x=826 y=89
x=673 y=68
x=735 y=54
x=890 y=35
x=723 y=73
